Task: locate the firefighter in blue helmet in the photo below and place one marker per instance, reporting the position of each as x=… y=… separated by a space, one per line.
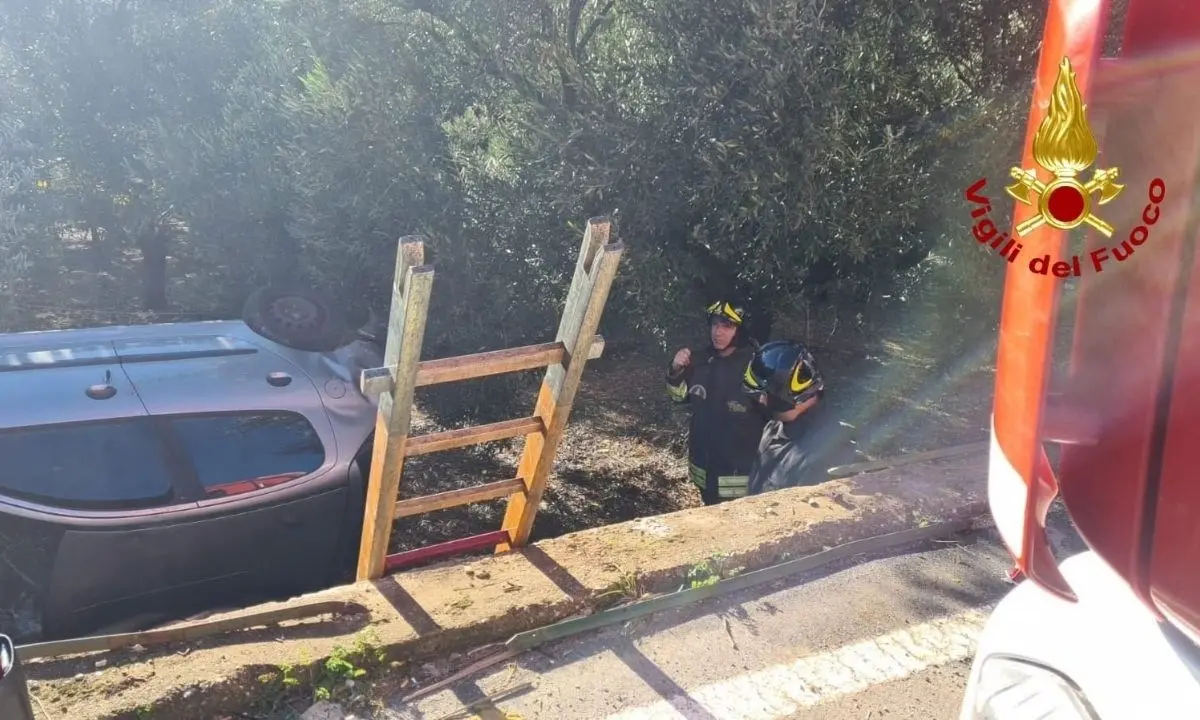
x=803 y=439
x=726 y=424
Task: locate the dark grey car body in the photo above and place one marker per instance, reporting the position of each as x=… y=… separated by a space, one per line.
x=225 y=469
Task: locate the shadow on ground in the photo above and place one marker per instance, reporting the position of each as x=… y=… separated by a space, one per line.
x=966 y=574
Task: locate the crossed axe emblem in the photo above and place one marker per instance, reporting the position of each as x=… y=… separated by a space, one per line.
x=1027 y=183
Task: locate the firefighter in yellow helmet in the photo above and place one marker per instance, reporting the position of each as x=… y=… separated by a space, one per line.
x=726 y=423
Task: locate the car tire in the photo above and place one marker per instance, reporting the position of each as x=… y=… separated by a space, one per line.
x=297 y=319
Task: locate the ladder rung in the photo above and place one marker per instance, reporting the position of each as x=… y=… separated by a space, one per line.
x=461 y=437
x=377 y=381
x=496 y=362
x=454 y=498
x=446 y=549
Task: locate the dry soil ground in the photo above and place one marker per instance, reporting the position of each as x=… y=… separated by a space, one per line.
x=624 y=453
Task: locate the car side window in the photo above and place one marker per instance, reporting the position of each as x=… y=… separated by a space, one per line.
x=234 y=453
x=111 y=465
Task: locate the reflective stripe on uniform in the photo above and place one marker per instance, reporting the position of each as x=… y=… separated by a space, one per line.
x=698 y=476
x=732 y=486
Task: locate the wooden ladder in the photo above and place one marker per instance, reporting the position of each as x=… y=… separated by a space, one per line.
x=403 y=372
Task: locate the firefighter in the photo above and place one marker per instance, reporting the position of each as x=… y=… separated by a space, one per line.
x=803 y=438
x=726 y=423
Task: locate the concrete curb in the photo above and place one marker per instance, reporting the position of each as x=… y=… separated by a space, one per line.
x=453 y=606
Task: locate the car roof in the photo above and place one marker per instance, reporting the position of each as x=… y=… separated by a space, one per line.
x=175 y=367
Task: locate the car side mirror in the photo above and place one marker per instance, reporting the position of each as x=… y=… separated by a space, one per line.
x=14 y=692
x=7 y=656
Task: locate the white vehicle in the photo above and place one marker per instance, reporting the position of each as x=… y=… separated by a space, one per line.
x=1114 y=632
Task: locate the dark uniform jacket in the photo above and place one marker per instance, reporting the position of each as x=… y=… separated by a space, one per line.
x=726 y=423
x=802 y=451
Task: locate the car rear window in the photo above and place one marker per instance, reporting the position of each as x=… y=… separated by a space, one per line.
x=108 y=465
x=238 y=447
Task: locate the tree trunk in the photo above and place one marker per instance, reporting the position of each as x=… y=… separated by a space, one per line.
x=153 y=244
x=286 y=266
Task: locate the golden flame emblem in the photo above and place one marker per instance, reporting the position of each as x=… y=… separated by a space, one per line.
x=1064 y=145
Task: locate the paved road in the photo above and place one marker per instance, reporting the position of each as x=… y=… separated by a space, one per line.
x=885 y=638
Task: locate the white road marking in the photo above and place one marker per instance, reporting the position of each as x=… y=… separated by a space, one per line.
x=782 y=690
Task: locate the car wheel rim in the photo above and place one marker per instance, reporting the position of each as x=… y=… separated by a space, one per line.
x=296 y=313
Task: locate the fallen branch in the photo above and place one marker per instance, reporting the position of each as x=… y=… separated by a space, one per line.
x=181 y=633
x=487 y=700
x=463 y=674
x=842 y=471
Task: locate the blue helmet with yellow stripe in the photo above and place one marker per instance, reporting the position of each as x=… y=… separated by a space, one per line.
x=785 y=370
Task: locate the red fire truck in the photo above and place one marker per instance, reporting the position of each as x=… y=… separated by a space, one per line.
x=1097 y=396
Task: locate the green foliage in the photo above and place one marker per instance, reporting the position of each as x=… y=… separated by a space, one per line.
x=805 y=153
x=333 y=679
x=17 y=177
x=709 y=572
